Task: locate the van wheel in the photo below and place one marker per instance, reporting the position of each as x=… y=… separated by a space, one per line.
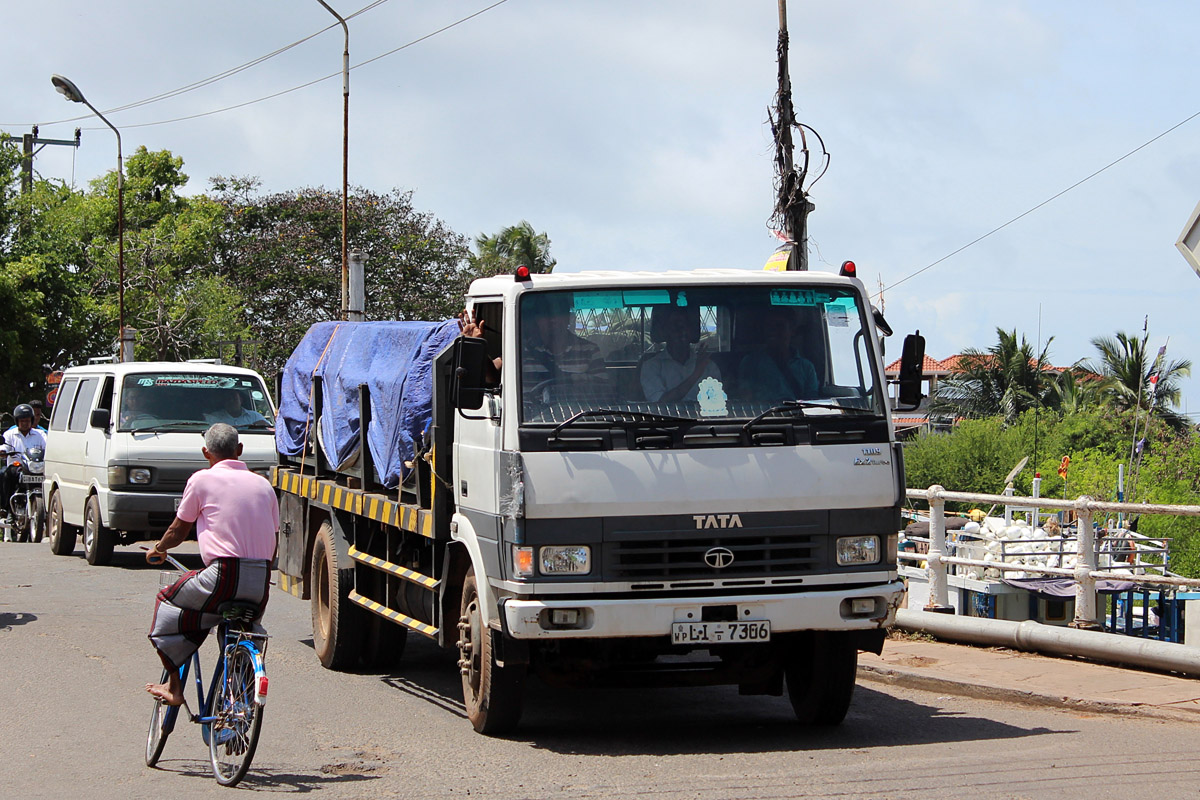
x=62 y=535
x=98 y=540
x=336 y=620
x=491 y=693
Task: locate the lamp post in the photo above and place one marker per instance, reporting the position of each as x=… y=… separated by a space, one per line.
x=70 y=91
x=345 y=155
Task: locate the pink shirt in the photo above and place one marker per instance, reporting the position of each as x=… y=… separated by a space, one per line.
x=235 y=512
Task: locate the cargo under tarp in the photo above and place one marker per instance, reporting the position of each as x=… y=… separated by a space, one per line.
x=394 y=359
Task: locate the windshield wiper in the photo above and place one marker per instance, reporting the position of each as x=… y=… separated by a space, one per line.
x=641 y=416
x=178 y=424
x=799 y=406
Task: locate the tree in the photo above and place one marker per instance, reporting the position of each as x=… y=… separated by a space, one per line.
x=282 y=253
x=51 y=310
x=1076 y=390
x=512 y=247
x=1126 y=361
x=1004 y=380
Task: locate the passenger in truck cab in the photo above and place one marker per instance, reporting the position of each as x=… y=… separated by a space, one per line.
x=776 y=371
x=553 y=353
x=673 y=373
x=473 y=327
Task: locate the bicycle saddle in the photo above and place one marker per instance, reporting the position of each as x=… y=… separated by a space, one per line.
x=238 y=611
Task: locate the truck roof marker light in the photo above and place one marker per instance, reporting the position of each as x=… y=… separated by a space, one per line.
x=521 y=273
x=848 y=269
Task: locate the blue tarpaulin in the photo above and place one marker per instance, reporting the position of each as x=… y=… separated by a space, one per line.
x=394 y=359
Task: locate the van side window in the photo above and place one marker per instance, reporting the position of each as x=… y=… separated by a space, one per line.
x=62 y=404
x=105 y=400
x=83 y=405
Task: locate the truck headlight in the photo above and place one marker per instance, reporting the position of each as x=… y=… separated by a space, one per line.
x=565 y=560
x=857 y=550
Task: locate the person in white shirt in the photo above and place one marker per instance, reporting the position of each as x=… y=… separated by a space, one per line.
x=19 y=439
x=232 y=412
x=673 y=374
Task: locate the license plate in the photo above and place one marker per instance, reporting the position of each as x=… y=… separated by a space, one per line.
x=720 y=632
x=36 y=479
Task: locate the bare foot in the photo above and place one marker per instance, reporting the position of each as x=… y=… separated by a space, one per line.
x=171 y=695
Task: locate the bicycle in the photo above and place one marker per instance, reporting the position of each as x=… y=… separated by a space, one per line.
x=230 y=717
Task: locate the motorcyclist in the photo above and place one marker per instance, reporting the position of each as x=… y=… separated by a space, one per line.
x=19 y=439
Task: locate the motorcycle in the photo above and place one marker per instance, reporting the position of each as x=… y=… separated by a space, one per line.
x=27 y=504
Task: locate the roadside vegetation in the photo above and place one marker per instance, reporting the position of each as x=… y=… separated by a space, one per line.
x=205 y=270
x=1118 y=408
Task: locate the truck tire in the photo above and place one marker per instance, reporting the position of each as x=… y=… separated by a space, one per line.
x=98 y=541
x=62 y=535
x=336 y=620
x=491 y=693
x=820 y=678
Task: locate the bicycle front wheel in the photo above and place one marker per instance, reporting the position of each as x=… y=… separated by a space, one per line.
x=162 y=722
x=237 y=718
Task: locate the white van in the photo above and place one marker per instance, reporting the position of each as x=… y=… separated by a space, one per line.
x=124 y=439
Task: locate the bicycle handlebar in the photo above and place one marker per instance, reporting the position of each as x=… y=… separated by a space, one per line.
x=168 y=558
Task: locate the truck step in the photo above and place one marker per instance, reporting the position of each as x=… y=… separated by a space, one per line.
x=395 y=616
x=395 y=569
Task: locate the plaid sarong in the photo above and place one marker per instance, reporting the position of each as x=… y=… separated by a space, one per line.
x=186 y=610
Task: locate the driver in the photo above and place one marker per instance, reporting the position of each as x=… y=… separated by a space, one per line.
x=236 y=516
x=19 y=439
x=556 y=353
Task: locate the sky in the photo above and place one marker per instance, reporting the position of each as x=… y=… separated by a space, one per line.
x=634 y=134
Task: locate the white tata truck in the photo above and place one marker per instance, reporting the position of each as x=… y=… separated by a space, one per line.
x=631 y=478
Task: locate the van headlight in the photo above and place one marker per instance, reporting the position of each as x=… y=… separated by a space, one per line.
x=857 y=550
x=139 y=475
x=565 y=560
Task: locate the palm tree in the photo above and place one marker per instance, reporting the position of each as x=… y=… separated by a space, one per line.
x=1004 y=380
x=1130 y=366
x=1077 y=389
x=512 y=247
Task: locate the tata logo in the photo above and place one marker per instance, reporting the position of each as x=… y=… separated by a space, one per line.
x=718 y=557
x=872 y=451
x=704 y=521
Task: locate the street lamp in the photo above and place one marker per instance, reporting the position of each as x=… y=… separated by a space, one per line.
x=345 y=154
x=70 y=91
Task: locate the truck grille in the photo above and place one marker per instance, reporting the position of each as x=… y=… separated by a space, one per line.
x=683 y=557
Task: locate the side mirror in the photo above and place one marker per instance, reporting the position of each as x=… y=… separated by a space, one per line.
x=470 y=368
x=100 y=418
x=911 y=361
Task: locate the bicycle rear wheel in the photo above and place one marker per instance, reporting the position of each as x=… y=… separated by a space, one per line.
x=162 y=722
x=237 y=718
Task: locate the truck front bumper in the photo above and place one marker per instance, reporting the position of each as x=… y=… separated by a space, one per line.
x=832 y=610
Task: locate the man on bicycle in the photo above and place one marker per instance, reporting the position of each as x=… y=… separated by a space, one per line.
x=236 y=517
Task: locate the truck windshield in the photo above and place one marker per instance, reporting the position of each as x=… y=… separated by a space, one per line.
x=699 y=352
x=161 y=401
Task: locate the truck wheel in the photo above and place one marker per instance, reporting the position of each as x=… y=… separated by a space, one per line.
x=62 y=535
x=491 y=693
x=336 y=621
x=820 y=678
x=98 y=541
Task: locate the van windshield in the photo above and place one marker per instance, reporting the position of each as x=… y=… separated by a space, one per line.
x=192 y=401
x=697 y=353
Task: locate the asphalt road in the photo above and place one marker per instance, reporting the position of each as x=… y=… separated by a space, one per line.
x=74 y=661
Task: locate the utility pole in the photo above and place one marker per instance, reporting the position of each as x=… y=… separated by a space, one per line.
x=791 y=203
x=28 y=140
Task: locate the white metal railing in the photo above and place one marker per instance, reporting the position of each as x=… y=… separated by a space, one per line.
x=1086 y=570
